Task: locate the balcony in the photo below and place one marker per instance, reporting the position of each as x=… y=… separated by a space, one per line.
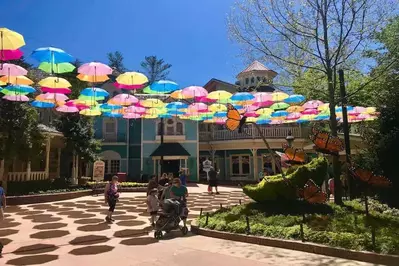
x=251 y=132
x=171 y=136
x=117 y=137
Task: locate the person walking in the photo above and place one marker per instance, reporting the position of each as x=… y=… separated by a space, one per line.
x=152 y=184
x=2 y=207
x=183 y=177
x=111 y=197
x=153 y=205
x=213 y=182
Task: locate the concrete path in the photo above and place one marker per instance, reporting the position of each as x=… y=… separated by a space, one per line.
x=73 y=232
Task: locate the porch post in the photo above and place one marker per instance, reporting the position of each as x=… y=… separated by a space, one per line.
x=48 y=146
x=255 y=160
x=58 y=162
x=28 y=170
x=1 y=169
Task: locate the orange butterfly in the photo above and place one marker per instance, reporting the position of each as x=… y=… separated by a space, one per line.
x=370 y=178
x=294 y=155
x=325 y=143
x=234 y=119
x=312 y=193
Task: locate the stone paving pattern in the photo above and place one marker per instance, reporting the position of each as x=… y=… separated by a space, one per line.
x=71 y=232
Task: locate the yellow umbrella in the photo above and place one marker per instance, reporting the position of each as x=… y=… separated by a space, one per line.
x=295 y=109
x=264 y=111
x=93 y=78
x=91 y=112
x=370 y=110
x=217 y=107
x=155 y=111
x=16 y=80
x=279 y=96
x=251 y=119
x=2 y=83
x=149 y=116
x=249 y=102
x=177 y=95
x=324 y=107
x=219 y=95
x=55 y=83
x=10 y=40
x=152 y=103
x=132 y=78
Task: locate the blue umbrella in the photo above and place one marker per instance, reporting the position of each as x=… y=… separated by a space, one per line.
x=20 y=88
x=165 y=116
x=175 y=112
x=94 y=92
x=242 y=96
x=115 y=115
x=176 y=105
x=164 y=86
x=263 y=121
x=220 y=114
x=39 y=104
x=110 y=106
x=279 y=114
x=237 y=106
x=52 y=55
x=295 y=99
x=339 y=109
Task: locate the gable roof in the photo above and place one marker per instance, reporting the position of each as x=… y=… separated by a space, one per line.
x=256 y=66
x=219 y=81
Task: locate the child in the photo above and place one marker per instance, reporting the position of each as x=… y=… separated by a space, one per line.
x=152 y=205
x=111 y=197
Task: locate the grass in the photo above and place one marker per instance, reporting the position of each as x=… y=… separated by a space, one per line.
x=121 y=184
x=345 y=227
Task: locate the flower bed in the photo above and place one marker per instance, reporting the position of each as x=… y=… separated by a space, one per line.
x=48 y=196
x=121 y=185
x=346 y=227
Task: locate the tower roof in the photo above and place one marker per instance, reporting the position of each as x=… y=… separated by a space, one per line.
x=256 y=66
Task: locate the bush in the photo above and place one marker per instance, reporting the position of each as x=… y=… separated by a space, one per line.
x=276 y=187
x=328 y=224
x=122 y=184
x=39 y=187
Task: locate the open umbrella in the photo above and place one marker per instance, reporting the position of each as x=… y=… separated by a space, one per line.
x=312 y=104
x=42 y=104
x=164 y=86
x=194 y=91
x=95 y=69
x=294 y=99
x=52 y=55
x=93 y=79
x=10 y=40
x=56 y=68
x=220 y=96
x=135 y=109
x=94 y=92
x=152 y=103
x=131 y=80
x=123 y=99
x=19 y=89
x=133 y=116
x=279 y=106
x=67 y=109
x=54 y=82
x=56 y=90
x=16 y=98
x=176 y=105
x=6 y=55
x=279 y=96
x=242 y=96
x=12 y=70
x=51 y=97
x=17 y=80
x=113 y=115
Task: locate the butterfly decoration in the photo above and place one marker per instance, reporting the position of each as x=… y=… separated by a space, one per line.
x=234 y=119
x=312 y=193
x=370 y=178
x=293 y=155
x=325 y=143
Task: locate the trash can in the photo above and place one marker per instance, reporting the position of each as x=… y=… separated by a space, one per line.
x=121 y=177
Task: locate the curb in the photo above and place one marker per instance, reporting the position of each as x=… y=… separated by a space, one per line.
x=126 y=189
x=369 y=257
x=42 y=198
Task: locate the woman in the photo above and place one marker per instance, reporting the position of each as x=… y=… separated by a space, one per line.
x=111 y=197
x=183 y=177
x=152 y=184
x=163 y=180
x=213 y=181
x=179 y=192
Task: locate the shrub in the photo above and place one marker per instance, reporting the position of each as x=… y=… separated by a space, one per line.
x=122 y=184
x=276 y=187
x=39 y=187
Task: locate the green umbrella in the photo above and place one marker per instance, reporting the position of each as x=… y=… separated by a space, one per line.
x=95 y=98
x=279 y=106
x=57 y=68
x=149 y=91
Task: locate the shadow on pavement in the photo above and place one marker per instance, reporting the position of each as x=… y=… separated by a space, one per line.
x=89 y=240
x=32 y=260
x=91 y=250
x=49 y=234
x=35 y=249
x=49 y=226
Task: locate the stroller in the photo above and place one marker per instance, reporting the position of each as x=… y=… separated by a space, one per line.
x=173 y=212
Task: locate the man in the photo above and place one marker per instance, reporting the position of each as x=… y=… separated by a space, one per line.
x=213 y=182
x=2 y=207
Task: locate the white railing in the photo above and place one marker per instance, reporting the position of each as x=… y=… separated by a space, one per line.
x=250 y=133
x=23 y=176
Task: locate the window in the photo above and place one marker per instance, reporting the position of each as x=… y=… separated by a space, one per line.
x=115 y=166
x=252 y=80
x=240 y=165
x=258 y=78
x=171 y=127
x=106 y=167
x=246 y=80
x=110 y=126
x=179 y=128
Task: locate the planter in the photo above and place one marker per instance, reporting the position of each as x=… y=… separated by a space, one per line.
x=42 y=198
x=123 y=189
x=301 y=246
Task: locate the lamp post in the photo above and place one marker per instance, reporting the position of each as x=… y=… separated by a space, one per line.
x=290 y=139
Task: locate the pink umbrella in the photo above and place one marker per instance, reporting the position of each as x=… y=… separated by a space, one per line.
x=263 y=104
x=16 y=98
x=135 y=109
x=310 y=112
x=95 y=69
x=129 y=87
x=312 y=104
x=198 y=107
x=56 y=90
x=194 y=91
x=12 y=70
x=276 y=122
x=73 y=103
x=204 y=100
x=359 y=109
x=263 y=96
x=293 y=116
x=124 y=99
x=251 y=114
x=52 y=96
x=67 y=109
x=6 y=55
x=220 y=121
x=131 y=116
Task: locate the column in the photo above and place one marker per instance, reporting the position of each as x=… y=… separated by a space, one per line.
x=58 y=162
x=48 y=146
x=255 y=160
x=28 y=170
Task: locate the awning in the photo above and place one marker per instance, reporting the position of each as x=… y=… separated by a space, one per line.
x=170 y=149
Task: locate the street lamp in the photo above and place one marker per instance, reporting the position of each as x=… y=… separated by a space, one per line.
x=290 y=139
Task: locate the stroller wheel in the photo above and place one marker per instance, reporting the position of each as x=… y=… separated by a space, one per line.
x=158 y=235
x=184 y=230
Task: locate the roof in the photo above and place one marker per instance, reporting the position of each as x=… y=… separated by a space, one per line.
x=170 y=149
x=256 y=66
x=49 y=129
x=220 y=81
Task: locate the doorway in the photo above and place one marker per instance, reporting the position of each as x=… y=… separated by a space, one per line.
x=172 y=166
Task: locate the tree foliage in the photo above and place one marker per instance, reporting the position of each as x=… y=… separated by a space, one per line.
x=155 y=69
x=115 y=61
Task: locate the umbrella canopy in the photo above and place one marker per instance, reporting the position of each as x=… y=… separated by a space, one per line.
x=6 y=55
x=312 y=104
x=194 y=91
x=94 y=92
x=56 y=90
x=16 y=98
x=200 y=107
x=94 y=111
x=264 y=111
x=16 y=80
x=295 y=109
x=12 y=70
x=55 y=83
x=20 y=89
x=40 y=104
x=67 y=109
x=280 y=114
x=51 y=97
x=93 y=79
x=114 y=115
x=152 y=103
x=176 y=105
x=95 y=69
x=242 y=96
x=279 y=106
x=217 y=107
x=177 y=95
x=135 y=109
x=294 y=116
x=51 y=55
x=204 y=100
x=131 y=78
x=10 y=40
x=164 y=86
x=294 y=99
x=123 y=99
x=279 y=96
x=56 y=68
x=219 y=95
x=132 y=116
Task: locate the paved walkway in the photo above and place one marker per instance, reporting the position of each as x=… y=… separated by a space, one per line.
x=72 y=232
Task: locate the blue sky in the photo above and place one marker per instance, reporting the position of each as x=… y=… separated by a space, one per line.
x=190 y=35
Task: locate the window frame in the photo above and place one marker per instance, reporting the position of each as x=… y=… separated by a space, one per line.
x=172 y=126
x=240 y=164
x=110 y=135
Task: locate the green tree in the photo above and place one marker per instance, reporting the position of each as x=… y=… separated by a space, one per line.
x=155 y=69
x=329 y=34
x=115 y=61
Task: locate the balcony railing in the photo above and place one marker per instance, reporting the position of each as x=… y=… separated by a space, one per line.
x=251 y=133
x=119 y=137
